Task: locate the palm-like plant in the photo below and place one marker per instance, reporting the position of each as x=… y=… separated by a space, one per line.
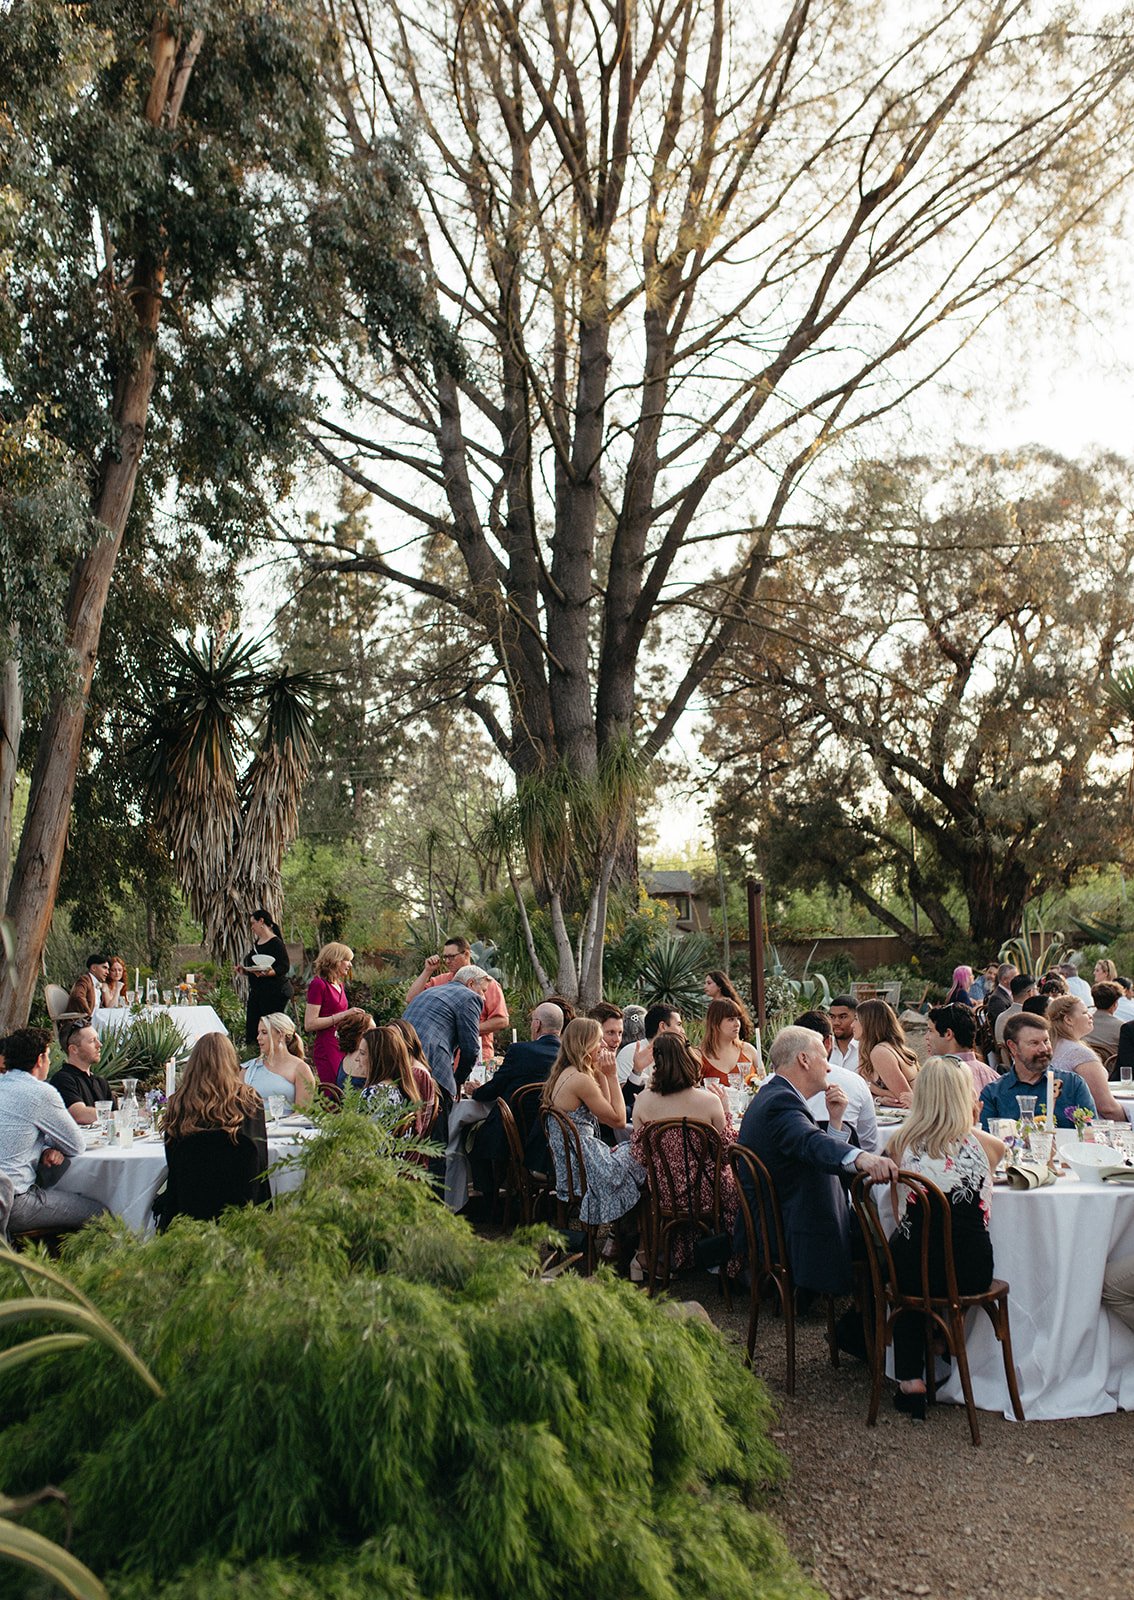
x=674 y=971
x=226 y=757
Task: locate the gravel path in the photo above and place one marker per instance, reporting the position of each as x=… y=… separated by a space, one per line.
x=1041 y=1511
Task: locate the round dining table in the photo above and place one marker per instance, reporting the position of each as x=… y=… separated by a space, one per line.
x=127 y=1180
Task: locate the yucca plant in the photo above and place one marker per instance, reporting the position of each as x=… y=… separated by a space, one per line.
x=674 y=972
x=85 y=1325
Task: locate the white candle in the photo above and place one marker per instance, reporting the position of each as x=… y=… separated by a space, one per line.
x=759 y=1054
x=170 y=1078
x=136 y=995
x=1050 y=1100
x=513 y=1035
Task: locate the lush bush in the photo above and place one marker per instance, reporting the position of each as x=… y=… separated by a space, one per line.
x=362 y=1398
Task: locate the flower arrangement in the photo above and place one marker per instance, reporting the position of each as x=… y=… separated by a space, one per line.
x=1082 y=1117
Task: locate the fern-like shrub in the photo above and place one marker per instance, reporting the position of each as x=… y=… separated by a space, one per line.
x=362 y=1398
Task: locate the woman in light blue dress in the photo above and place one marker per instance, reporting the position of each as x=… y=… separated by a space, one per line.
x=583 y=1085
x=280 y=1069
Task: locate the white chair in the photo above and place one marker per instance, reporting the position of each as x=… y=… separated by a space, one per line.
x=56 y=998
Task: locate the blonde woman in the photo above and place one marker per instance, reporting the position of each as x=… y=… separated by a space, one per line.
x=215 y=1141
x=885 y=1060
x=327 y=1005
x=1105 y=971
x=1069 y=1022
x=939 y=1142
x=280 y=1068
x=585 y=1088
x=723 y=1051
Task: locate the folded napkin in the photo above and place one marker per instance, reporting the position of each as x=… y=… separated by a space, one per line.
x=1117 y=1174
x=1028 y=1175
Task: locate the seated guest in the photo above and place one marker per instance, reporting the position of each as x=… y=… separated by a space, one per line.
x=1053 y=984
x=524 y=1062
x=1069 y=1023
x=1105 y=1026
x=723 y=1052
x=1036 y=1006
x=844 y=1046
x=352 y=1067
x=280 y=1069
x=86 y=991
x=79 y=1086
x=1124 y=1010
x=564 y=1005
x=1118 y=1289
x=860 y=1116
x=1023 y=987
x=633 y=1024
x=586 y=1092
x=413 y=1043
x=216 y=1145
x=939 y=1143
x=634 y=1061
x=806 y=1164
x=675 y=1092
x=1105 y=971
x=1029 y=1047
x=951 y=1031
x=885 y=1060
x=609 y=1019
x=37 y=1136
x=984 y=983
x=393 y=1082
x=114 y=989
x=1077 y=986
x=1001 y=997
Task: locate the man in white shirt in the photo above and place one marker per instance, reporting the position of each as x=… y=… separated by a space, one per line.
x=37 y=1135
x=859 y=1113
x=634 y=1061
x=1124 y=1010
x=843 y=1049
x=1077 y=986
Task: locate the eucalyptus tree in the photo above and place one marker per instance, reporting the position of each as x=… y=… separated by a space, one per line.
x=927 y=701
x=175 y=232
x=686 y=250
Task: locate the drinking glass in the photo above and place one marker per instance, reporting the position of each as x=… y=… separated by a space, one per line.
x=277 y=1107
x=1027 y=1104
x=104 y=1110
x=1126 y=1073
x=167 y=997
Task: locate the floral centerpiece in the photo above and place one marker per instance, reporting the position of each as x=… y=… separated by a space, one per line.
x=1082 y=1117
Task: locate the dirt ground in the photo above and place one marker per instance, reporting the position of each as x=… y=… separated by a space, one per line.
x=1040 y=1511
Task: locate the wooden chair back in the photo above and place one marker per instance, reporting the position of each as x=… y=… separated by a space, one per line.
x=683 y=1191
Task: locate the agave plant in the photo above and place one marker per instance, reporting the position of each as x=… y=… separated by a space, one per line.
x=674 y=971
x=140 y=1047
x=1034 y=949
x=85 y=1326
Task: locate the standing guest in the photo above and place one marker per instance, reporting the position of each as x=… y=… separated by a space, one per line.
x=939 y=1143
x=79 y=1086
x=280 y=1069
x=216 y=1142
x=723 y=1051
x=1029 y=1047
x=352 y=1033
x=457 y=953
x=1069 y=1023
x=806 y=1164
x=962 y=993
x=885 y=1060
x=447 y=1019
x=844 y=1046
x=718 y=986
x=393 y=1081
x=37 y=1136
x=951 y=1031
x=327 y=1005
x=578 y=1087
x=268 y=987
x=114 y=989
x=1001 y=997
x=860 y=1116
x=1105 y=1026
x=86 y=991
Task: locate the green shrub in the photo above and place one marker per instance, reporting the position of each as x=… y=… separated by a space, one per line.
x=362 y=1398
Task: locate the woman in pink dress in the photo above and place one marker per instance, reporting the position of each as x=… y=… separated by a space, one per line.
x=327 y=1006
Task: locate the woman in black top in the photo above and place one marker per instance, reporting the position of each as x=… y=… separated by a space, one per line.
x=267 y=986
x=216 y=1145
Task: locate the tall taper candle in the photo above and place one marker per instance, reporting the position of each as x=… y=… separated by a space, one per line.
x=1050 y=1100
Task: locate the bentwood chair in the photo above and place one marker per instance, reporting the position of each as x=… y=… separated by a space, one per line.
x=683 y=1162
x=768 y=1267
x=570 y=1176
x=525 y=1107
x=331 y=1093
x=523 y=1188
x=942 y=1314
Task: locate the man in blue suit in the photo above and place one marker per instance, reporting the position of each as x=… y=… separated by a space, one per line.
x=523 y=1063
x=808 y=1166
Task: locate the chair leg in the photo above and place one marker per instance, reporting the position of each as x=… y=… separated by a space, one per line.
x=961 y=1357
x=1004 y=1334
x=787 y=1301
x=878 y=1364
x=832 y=1338
x=753 y=1310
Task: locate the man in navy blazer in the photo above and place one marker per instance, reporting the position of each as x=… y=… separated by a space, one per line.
x=523 y=1063
x=808 y=1166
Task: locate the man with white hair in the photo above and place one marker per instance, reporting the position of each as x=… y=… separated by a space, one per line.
x=457 y=955
x=447 y=1021
x=807 y=1165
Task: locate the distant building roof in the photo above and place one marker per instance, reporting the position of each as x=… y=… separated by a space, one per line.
x=668 y=882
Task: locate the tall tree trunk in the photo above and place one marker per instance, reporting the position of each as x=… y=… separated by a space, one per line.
x=11 y=721
x=35 y=882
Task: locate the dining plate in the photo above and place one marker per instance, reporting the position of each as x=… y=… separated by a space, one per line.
x=260 y=961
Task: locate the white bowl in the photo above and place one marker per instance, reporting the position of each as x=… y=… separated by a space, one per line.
x=261 y=962
x=1088 y=1160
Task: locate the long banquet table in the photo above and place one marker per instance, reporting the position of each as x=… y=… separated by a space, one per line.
x=126 y=1181
x=194 y=1021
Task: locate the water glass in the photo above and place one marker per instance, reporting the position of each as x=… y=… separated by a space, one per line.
x=1027 y=1104
x=277 y=1107
x=1126 y=1073
x=104 y=1110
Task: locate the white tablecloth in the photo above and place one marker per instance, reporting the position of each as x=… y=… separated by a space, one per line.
x=1051 y=1246
x=126 y=1181
x=194 y=1021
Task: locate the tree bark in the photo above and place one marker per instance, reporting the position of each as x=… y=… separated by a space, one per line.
x=35 y=882
x=11 y=721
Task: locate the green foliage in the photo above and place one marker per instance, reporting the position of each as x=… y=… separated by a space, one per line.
x=674 y=971
x=363 y=1398
x=380 y=994
x=1035 y=948
x=141 y=1047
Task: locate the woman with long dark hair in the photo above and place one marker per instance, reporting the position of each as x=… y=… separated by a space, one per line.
x=216 y=1145
x=266 y=966
x=392 y=1080
x=719 y=986
x=885 y=1060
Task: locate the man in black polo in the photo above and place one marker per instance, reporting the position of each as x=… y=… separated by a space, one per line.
x=79 y=1085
